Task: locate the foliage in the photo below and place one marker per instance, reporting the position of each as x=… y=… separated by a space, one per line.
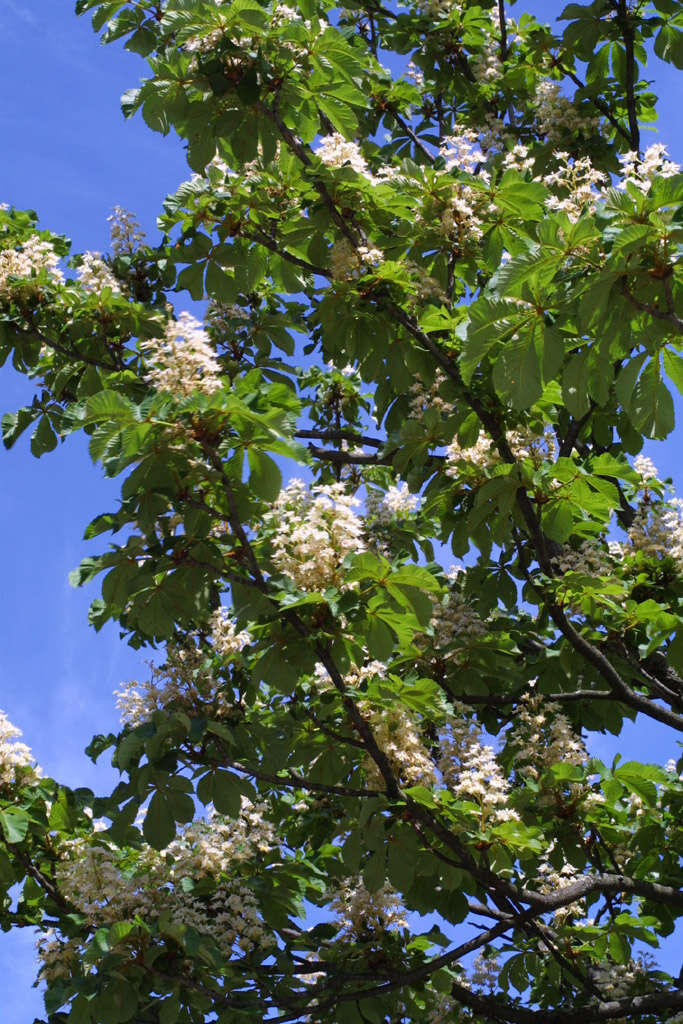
x=446 y=293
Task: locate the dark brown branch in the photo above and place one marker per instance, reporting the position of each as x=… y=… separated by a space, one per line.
x=340 y=435
x=348 y=458
x=43 y=881
x=417 y=142
x=595 y=100
x=260 y=237
x=658 y=314
x=292 y=779
x=496 y=701
x=503 y=31
x=625 y=22
x=75 y=355
x=621 y=690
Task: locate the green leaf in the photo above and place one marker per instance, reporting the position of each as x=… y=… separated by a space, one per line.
x=159 y=824
x=669 y=45
x=226 y=794
x=169 y=1010
x=517 y=374
x=380 y=639
x=340 y=114
x=652 y=407
x=265 y=478
x=673 y=367
x=80 y=1011
x=44 y=438
x=626 y=381
x=192 y=278
x=219 y=284
x=557 y=521
x=374 y=871
x=14 y=823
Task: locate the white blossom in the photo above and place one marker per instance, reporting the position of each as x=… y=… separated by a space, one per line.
x=542 y=736
x=397 y=734
x=348 y=261
x=645 y=468
x=335 y=151
x=580 y=185
x=483 y=454
x=424 y=397
x=471 y=772
x=455 y=626
x=362 y=914
x=183 y=360
x=462 y=151
x=518 y=159
x=26 y=262
x=95 y=275
x=395 y=505
x=108 y=884
x=125 y=231
x=182 y=682
x=589 y=559
x=315 y=531
x=641 y=172
x=16 y=760
x=224 y=636
x=556 y=115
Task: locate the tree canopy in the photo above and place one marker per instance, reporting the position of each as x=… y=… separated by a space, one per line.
x=385 y=525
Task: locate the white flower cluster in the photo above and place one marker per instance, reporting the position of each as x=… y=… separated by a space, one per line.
x=59 y=958
x=618 y=981
x=589 y=559
x=642 y=171
x=424 y=398
x=580 y=183
x=484 y=455
x=315 y=530
x=462 y=151
x=541 y=736
x=550 y=879
x=486 y=65
x=181 y=683
x=471 y=772
x=393 y=506
x=95 y=275
x=518 y=159
x=556 y=115
x=348 y=261
x=224 y=636
x=108 y=884
x=335 y=151
x=398 y=736
x=208 y=848
x=396 y=732
x=460 y=220
x=184 y=361
x=362 y=914
x=28 y=261
x=455 y=625
x=485 y=972
x=657 y=529
x=125 y=231
x=16 y=760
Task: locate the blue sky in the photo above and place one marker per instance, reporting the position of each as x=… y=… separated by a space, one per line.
x=69 y=154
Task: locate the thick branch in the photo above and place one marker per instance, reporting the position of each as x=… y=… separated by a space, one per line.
x=658 y=314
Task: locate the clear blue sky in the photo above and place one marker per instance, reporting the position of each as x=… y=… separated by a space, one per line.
x=68 y=153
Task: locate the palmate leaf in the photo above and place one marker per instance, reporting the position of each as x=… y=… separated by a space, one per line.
x=491 y=321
